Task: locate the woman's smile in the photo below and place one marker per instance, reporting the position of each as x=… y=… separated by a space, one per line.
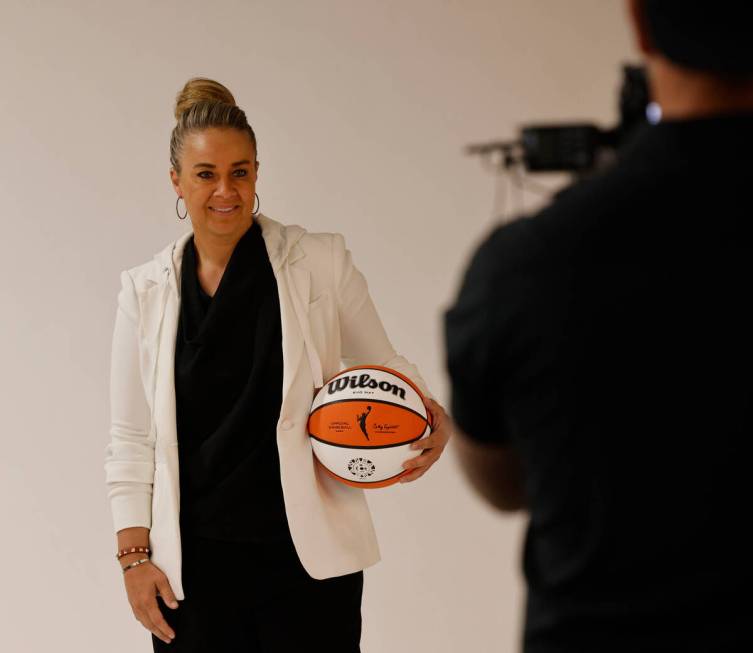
x=224 y=210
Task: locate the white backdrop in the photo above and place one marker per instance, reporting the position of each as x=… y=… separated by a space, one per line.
x=362 y=109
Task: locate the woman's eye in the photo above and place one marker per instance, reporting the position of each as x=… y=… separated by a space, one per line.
x=208 y=174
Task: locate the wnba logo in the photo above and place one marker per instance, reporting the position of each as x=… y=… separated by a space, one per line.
x=361 y=419
x=363 y=381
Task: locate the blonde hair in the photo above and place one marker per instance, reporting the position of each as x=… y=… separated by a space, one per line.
x=203 y=103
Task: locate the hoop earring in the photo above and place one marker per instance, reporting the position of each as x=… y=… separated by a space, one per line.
x=258 y=208
x=180 y=217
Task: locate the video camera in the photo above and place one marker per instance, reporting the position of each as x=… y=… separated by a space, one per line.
x=579 y=148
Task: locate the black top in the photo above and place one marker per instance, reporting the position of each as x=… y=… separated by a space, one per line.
x=228 y=386
x=609 y=341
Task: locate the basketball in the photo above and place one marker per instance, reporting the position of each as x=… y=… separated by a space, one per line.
x=362 y=423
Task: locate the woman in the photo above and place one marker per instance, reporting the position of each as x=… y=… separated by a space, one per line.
x=218 y=347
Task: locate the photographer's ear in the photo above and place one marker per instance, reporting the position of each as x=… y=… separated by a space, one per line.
x=636 y=11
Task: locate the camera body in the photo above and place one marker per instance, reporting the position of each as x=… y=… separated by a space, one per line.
x=581 y=147
x=548 y=148
x=578 y=148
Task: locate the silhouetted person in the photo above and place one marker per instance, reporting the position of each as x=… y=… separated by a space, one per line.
x=601 y=355
x=362 y=420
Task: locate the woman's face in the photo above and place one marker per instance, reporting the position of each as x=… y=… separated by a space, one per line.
x=218 y=181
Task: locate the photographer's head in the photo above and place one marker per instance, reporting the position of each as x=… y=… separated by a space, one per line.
x=698 y=54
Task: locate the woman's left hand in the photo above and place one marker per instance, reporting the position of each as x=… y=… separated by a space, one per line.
x=432 y=445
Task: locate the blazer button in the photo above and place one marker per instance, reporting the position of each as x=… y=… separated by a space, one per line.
x=287 y=424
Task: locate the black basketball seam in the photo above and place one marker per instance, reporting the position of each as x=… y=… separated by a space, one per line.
x=350 y=480
x=358 y=446
x=369 y=401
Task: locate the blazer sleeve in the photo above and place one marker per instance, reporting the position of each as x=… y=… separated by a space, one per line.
x=129 y=456
x=362 y=335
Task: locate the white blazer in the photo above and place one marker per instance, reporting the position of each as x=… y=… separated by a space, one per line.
x=328 y=321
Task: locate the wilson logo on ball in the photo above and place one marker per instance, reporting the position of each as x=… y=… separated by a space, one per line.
x=367 y=410
x=363 y=381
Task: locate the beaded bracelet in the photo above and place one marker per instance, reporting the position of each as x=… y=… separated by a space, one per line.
x=135 y=564
x=133 y=549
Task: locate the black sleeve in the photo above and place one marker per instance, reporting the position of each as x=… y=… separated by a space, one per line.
x=478 y=333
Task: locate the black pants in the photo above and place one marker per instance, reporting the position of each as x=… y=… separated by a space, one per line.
x=248 y=598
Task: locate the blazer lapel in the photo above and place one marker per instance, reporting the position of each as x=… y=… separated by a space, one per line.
x=292 y=286
x=161 y=310
x=151 y=304
x=164 y=393
x=300 y=281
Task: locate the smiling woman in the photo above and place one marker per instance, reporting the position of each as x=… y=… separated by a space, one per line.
x=214 y=161
x=219 y=345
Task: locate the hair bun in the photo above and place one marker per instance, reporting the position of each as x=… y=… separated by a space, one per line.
x=199 y=89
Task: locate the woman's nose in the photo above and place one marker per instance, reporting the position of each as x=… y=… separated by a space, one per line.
x=224 y=187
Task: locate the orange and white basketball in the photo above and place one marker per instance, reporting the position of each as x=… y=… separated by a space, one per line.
x=362 y=423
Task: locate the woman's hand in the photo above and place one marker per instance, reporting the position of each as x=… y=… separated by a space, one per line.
x=432 y=446
x=143 y=583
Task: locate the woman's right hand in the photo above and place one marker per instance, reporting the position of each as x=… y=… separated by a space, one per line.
x=143 y=583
